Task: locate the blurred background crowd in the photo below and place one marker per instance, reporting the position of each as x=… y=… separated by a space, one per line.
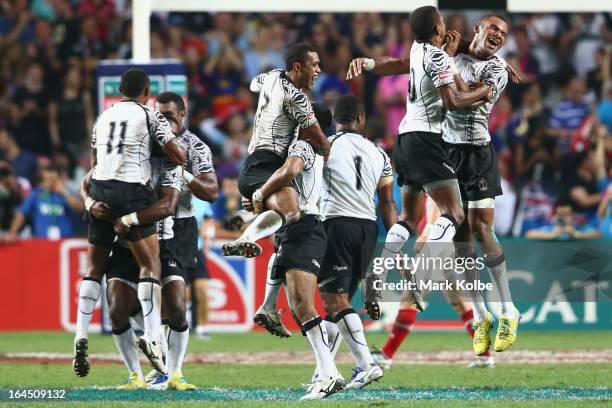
x=552 y=132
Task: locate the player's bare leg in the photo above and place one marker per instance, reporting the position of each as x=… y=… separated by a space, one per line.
x=146 y=253
x=282 y=207
x=122 y=301
x=200 y=292
x=338 y=307
x=89 y=293
x=301 y=287
x=481 y=223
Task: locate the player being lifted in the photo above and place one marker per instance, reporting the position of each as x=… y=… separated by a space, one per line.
x=355 y=172
x=121 y=147
x=466 y=137
x=282 y=109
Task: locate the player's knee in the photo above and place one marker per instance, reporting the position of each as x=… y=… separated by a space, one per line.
x=119 y=315
x=482 y=232
x=151 y=269
x=176 y=314
x=291 y=216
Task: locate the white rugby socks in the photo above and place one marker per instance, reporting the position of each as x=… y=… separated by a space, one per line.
x=396 y=238
x=125 y=340
x=149 y=295
x=443 y=230
x=273 y=286
x=499 y=276
x=479 y=307
x=351 y=328
x=266 y=223
x=89 y=293
x=178 y=337
x=334 y=339
x=317 y=337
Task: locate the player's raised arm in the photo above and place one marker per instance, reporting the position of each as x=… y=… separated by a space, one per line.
x=384 y=65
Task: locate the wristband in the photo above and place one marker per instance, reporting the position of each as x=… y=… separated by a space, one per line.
x=368 y=64
x=129 y=220
x=89 y=202
x=257 y=196
x=187 y=177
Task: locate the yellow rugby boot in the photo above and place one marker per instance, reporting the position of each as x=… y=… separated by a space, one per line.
x=482 y=340
x=132 y=383
x=506 y=332
x=178 y=383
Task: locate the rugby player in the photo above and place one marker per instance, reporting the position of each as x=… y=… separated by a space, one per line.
x=473 y=157
x=283 y=109
x=300 y=253
x=121 y=147
x=354 y=173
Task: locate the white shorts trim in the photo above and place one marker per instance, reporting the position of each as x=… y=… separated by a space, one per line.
x=484 y=203
x=127 y=282
x=171 y=278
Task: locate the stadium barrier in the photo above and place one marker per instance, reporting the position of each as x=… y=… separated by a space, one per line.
x=555 y=285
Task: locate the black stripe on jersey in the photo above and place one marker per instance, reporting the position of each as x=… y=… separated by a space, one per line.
x=147 y=119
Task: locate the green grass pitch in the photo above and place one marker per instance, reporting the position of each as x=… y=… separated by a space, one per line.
x=267 y=384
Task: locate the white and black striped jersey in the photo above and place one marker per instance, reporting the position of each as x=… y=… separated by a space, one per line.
x=122 y=137
x=430 y=68
x=199 y=161
x=165 y=174
x=309 y=182
x=350 y=176
x=472 y=125
x=282 y=108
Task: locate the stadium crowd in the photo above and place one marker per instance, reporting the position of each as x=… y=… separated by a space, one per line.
x=553 y=132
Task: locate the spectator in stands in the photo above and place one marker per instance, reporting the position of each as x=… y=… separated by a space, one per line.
x=11 y=195
x=48 y=207
x=563 y=226
x=23 y=162
x=584 y=188
x=600 y=73
x=29 y=111
x=71 y=116
x=261 y=56
x=568 y=115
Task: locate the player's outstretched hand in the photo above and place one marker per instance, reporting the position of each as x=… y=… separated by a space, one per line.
x=355 y=68
x=120 y=228
x=452 y=42
x=101 y=210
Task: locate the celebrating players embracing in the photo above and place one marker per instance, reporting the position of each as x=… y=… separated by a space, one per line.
x=121 y=147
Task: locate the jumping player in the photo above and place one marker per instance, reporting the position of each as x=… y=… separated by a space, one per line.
x=121 y=147
x=283 y=109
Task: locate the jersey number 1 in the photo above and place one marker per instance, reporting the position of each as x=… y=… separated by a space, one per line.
x=357 y=160
x=111 y=136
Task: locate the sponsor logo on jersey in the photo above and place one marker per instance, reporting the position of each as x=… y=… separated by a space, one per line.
x=445 y=75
